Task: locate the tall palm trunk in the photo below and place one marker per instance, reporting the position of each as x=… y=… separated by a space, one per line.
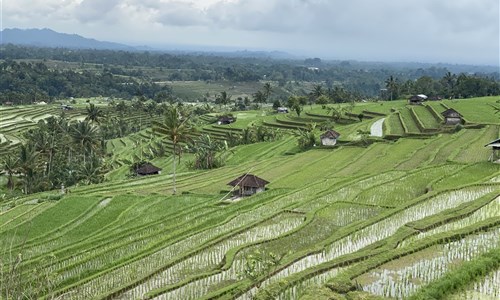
x=175 y=188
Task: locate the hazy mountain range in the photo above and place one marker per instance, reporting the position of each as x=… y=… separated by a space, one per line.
x=52 y=39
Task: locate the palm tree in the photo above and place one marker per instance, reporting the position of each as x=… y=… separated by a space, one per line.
x=208 y=152
x=449 y=81
x=317 y=91
x=223 y=99
x=10 y=164
x=44 y=143
x=91 y=171
x=94 y=114
x=267 y=90
x=392 y=86
x=28 y=166
x=85 y=136
x=174 y=128
x=259 y=97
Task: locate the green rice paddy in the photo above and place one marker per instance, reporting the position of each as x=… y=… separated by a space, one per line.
x=392 y=215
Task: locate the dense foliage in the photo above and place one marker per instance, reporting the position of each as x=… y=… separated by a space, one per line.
x=24 y=83
x=125 y=74
x=56 y=153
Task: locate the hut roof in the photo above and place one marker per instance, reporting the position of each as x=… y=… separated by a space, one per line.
x=229 y=119
x=147 y=169
x=330 y=134
x=416 y=98
x=450 y=112
x=249 y=180
x=494 y=144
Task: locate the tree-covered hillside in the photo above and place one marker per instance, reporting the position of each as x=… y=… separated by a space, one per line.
x=58 y=73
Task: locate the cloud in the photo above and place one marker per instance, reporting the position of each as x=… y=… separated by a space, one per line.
x=406 y=29
x=97 y=10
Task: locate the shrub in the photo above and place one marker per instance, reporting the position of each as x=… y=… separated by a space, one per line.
x=54 y=197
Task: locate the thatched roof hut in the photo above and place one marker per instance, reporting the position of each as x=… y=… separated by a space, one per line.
x=147 y=169
x=249 y=184
x=452 y=117
x=329 y=138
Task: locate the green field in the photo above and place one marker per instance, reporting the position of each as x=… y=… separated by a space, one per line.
x=389 y=217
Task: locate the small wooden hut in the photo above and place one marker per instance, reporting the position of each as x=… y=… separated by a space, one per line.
x=248 y=185
x=147 y=169
x=329 y=138
x=452 y=117
x=417 y=99
x=495 y=147
x=224 y=120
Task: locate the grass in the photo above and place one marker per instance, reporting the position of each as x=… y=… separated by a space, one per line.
x=408 y=121
x=394 y=126
x=326 y=211
x=425 y=116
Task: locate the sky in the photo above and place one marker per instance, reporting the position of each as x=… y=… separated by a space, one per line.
x=449 y=31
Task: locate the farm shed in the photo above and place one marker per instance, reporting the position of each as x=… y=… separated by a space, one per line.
x=147 y=169
x=329 y=138
x=249 y=184
x=282 y=110
x=417 y=99
x=495 y=147
x=452 y=117
x=224 y=120
x=435 y=98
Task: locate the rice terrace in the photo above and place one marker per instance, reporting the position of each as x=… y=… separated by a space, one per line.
x=156 y=176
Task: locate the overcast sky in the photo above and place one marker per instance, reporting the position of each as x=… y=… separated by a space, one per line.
x=452 y=31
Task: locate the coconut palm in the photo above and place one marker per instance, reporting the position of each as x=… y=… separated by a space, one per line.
x=27 y=166
x=209 y=153
x=392 y=86
x=9 y=166
x=94 y=114
x=317 y=91
x=267 y=90
x=259 y=97
x=176 y=129
x=91 y=171
x=449 y=82
x=223 y=99
x=85 y=136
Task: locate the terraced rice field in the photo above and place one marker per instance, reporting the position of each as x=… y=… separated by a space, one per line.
x=392 y=217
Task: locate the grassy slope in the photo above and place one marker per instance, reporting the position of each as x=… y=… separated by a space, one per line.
x=101 y=231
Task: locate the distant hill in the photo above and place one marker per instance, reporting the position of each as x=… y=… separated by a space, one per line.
x=50 y=38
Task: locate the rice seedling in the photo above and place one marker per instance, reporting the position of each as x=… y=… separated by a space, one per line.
x=402 y=281
x=210 y=257
x=384 y=228
x=488 y=211
x=488 y=288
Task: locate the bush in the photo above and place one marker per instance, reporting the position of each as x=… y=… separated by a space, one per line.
x=341 y=284
x=362 y=296
x=458 y=127
x=54 y=197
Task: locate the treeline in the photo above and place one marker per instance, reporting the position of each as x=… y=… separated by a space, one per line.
x=57 y=153
x=23 y=83
x=448 y=86
x=366 y=79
